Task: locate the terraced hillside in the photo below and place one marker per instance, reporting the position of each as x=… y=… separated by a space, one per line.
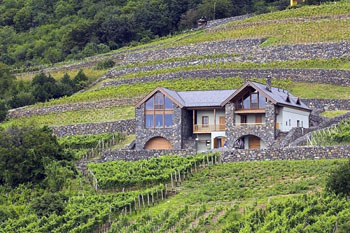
x=306 y=51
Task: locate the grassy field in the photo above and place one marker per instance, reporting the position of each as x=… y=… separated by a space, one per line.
x=314 y=90
x=326 y=9
x=76 y=117
x=281 y=33
x=331 y=114
x=92 y=73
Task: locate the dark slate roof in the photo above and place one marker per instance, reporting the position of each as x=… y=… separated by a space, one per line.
x=215 y=98
x=200 y=98
x=280 y=96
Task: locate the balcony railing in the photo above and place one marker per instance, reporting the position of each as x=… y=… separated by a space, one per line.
x=208 y=128
x=249 y=124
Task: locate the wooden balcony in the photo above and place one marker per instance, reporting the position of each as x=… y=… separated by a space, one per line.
x=208 y=128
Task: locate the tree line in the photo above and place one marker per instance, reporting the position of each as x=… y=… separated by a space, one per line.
x=49 y=31
x=18 y=93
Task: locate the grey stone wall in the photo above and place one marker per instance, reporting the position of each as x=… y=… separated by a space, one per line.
x=287 y=153
x=173 y=134
x=30 y=111
x=125 y=126
x=335 y=77
x=187 y=123
x=265 y=132
x=328 y=104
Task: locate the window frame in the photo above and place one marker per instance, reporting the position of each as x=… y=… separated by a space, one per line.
x=158 y=100
x=205 y=125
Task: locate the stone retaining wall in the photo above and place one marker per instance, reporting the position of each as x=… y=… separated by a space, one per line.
x=30 y=111
x=328 y=104
x=289 y=153
x=325 y=124
x=335 y=77
x=125 y=126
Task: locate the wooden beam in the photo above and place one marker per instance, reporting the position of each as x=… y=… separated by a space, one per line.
x=261 y=110
x=194 y=115
x=214 y=118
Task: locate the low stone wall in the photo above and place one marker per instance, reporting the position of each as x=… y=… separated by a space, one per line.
x=335 y=77
x=289 y=153
x=134 y=155
x=125 y=126
x=325 y=124
x=30 y=111
x=328 y=104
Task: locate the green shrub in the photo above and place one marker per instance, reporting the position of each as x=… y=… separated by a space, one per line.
x=339 y=180
x=105 y=64
x=49 y=203
x=3 y=110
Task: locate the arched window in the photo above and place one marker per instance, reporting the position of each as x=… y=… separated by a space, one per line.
x=159 y=111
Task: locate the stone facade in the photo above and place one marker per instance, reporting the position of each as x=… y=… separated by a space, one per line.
x=173 y=134
x=265 y=132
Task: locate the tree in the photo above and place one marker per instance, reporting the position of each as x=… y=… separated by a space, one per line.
x=25 y=152
x=80 y=80
x=3 y=110
x=7 y=80
x=339 y=180
x=49 y=203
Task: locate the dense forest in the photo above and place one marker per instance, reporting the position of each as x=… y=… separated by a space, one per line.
x=48 y=31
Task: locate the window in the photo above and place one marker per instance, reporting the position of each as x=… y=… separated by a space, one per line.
x=290 y=122
x=149 y=121
x=243 y=119
x=298 y=123
x=205 y=121
x=251 y=100
x=159 y=112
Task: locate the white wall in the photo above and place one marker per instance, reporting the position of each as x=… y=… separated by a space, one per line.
x=216 y=134
x=201 y=142
x=210 y=114
x=288 y=117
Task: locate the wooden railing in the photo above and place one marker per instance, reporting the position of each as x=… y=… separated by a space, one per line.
x=208 y=128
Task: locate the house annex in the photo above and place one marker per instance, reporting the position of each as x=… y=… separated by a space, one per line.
x=250 y=117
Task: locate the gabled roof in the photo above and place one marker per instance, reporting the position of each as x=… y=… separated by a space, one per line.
x=212 y=98
x=276 y=95
x=218 y=98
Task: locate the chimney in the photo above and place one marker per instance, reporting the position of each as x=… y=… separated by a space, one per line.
x=268 y=83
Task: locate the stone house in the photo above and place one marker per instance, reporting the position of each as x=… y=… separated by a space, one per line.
x=250 y=117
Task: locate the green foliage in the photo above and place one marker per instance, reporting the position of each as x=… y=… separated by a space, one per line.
x=339 y=180
x=122 y=174
x=87 y=141
x=24 y=153
x=49 y=203
x=3 y=110
x=332 y=136
x=105 y=64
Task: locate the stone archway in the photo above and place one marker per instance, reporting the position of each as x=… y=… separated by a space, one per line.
x=249 y=142
x=158 y=143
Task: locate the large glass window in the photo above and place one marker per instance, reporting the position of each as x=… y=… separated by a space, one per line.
x=251 y=100
x=159 y=112
x=149 y=121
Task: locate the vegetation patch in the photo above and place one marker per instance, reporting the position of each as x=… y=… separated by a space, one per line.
x=338 y=135
x=76 y=117
x=332 y=114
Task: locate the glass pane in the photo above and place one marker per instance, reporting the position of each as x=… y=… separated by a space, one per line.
x=159 y=121
x=168 y=118
x=149 y=104
x=246 y=102
x=159 y=101
x=149 y=121
x=254 y=103
x=205 y=120
x=168 y=103
x=262 y=101
x=239 y=104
